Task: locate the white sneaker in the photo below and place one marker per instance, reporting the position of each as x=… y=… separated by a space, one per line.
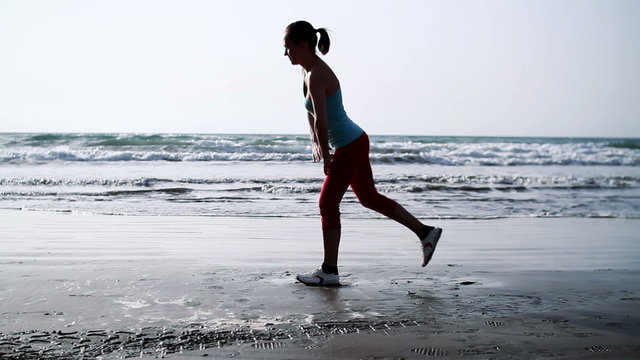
x=429 y=245
x=318 y=277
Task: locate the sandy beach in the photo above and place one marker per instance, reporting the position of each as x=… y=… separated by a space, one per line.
x=90 y=286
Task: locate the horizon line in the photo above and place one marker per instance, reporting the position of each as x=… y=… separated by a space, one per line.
x=303 y=134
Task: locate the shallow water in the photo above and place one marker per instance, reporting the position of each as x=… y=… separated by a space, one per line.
x=271 y=175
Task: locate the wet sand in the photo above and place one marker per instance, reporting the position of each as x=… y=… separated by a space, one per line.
x=87 y=286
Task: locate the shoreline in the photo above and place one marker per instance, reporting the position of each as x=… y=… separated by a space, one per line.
x=525 y=288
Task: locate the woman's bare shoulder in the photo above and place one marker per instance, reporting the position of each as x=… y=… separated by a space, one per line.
x=323 y=77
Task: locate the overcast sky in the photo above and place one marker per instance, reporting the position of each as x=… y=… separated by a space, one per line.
x=515 y=68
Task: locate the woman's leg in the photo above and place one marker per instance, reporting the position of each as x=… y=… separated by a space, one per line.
x=333 y=189
x=331 y=242
x=401 y=215
x=363 y=186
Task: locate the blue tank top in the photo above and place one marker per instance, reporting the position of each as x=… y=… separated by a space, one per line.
x=342 y=131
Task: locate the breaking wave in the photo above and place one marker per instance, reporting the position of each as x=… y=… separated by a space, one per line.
x=450 y=151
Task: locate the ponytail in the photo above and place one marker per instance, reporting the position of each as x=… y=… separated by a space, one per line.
x=323 y=42
x=304 y=31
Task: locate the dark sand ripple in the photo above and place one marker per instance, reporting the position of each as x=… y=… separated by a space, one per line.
x=152 y=341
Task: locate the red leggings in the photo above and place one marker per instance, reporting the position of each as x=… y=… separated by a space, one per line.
x=351 y=167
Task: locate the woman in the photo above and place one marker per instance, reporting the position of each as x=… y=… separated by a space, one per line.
x=349 y=165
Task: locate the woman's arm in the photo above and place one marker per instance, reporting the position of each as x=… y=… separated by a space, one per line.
x=317 y=90
x=315 y=147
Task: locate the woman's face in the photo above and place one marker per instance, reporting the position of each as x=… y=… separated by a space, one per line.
x=292 y=50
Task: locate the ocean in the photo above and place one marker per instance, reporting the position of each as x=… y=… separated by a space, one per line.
x=434 y=177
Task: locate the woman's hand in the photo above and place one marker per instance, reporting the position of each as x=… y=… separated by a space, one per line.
x=316 y=151
x=328 y=159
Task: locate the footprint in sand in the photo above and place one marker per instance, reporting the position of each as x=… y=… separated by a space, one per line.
x=269 y=345
x=192 y=304
x=494 y=323
x=430 y=351
x=478 y=351
x=586 y=334
x=598 y=349
x=465 y=283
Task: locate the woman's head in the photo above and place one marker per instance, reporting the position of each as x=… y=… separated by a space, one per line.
x=301 y=32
